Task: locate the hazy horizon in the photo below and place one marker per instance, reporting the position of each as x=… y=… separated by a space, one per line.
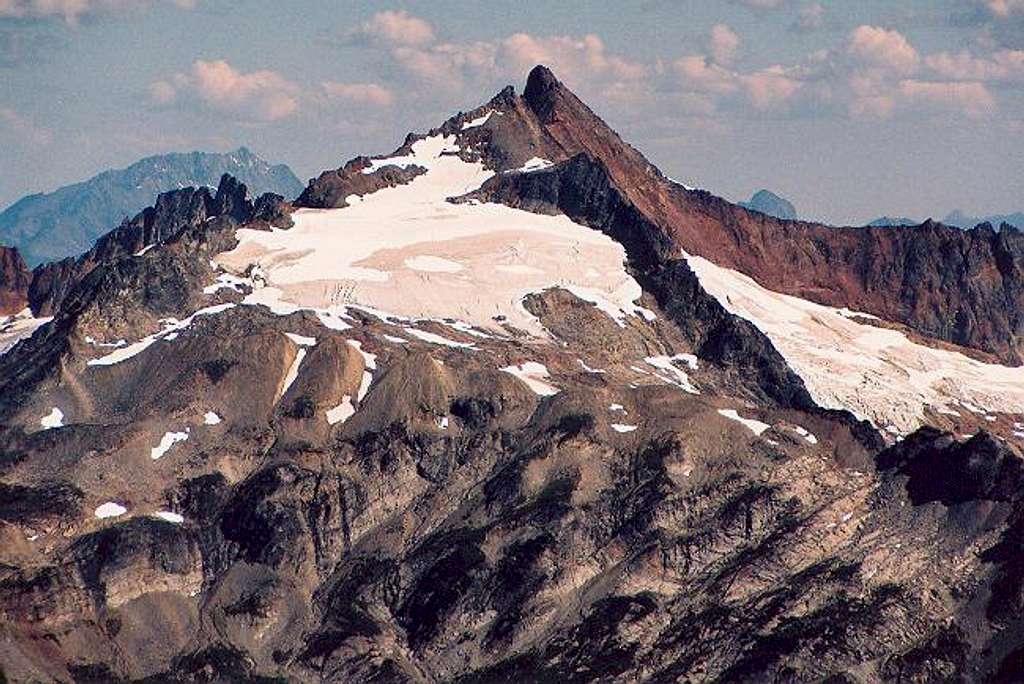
x=849 y=112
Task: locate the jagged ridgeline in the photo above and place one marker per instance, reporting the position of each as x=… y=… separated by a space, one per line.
x=509 y=404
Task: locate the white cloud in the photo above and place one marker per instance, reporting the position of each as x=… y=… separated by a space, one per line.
x=770 y=87
x=397 y=28
x=972 y=99
x=697 y=73
x=1002 y=65
x=884 y=49
x=723 y=44
x=257 y=96
x=369 y=94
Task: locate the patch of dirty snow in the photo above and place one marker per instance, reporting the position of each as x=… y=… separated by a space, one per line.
x=535 y=375
x=588 y=369
x=876 y=373
x=53 y=419
x=110 y=510
x=617 y=407
x=395 y=340
x=755 y=426
x=166 y=442
x=619 y=427
x=341 y=412
x=672 y=374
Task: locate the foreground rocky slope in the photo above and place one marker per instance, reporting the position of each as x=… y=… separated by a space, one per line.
x=224 y=460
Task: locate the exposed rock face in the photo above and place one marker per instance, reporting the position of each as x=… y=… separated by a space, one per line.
x=14 y=281
x=196 y=487
x=956 y=286
x=65 y=222
x=770 y=204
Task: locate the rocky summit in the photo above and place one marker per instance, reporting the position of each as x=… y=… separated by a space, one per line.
x=508 y=404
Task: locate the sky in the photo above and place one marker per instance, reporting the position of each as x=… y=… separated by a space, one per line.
x=850 y=109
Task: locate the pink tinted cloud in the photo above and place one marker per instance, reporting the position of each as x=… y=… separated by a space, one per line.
x=398 y=28
x=368 y=94
x=884 y=49
x=256 y=96
x=723 y=44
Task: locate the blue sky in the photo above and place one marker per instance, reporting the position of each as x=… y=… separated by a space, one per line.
x=849 y=109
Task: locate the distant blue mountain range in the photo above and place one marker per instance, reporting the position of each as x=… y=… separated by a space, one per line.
x=66 y=222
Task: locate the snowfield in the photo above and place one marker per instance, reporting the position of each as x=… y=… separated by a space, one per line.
x=408 y=251
x=875 y=373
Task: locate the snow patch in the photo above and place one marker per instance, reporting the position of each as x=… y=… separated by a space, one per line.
x=341 y=412
x=535 y=164
x=166 y=442
x=479 y=121
x=755 y=426
x=810 y=438
x=535 y=375
x=619 y=427
x=211 y=418
x=301 y=340
x=672 y=374
x=54 y=419
x=15 y=328
x=293 y=372
x=110 y=510
x=437 y=339
x=588 y=369
x=170 y=516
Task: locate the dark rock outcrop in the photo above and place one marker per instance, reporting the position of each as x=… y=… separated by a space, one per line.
x=14 y=281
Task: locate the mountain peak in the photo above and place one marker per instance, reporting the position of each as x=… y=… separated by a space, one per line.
x=767 y=202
